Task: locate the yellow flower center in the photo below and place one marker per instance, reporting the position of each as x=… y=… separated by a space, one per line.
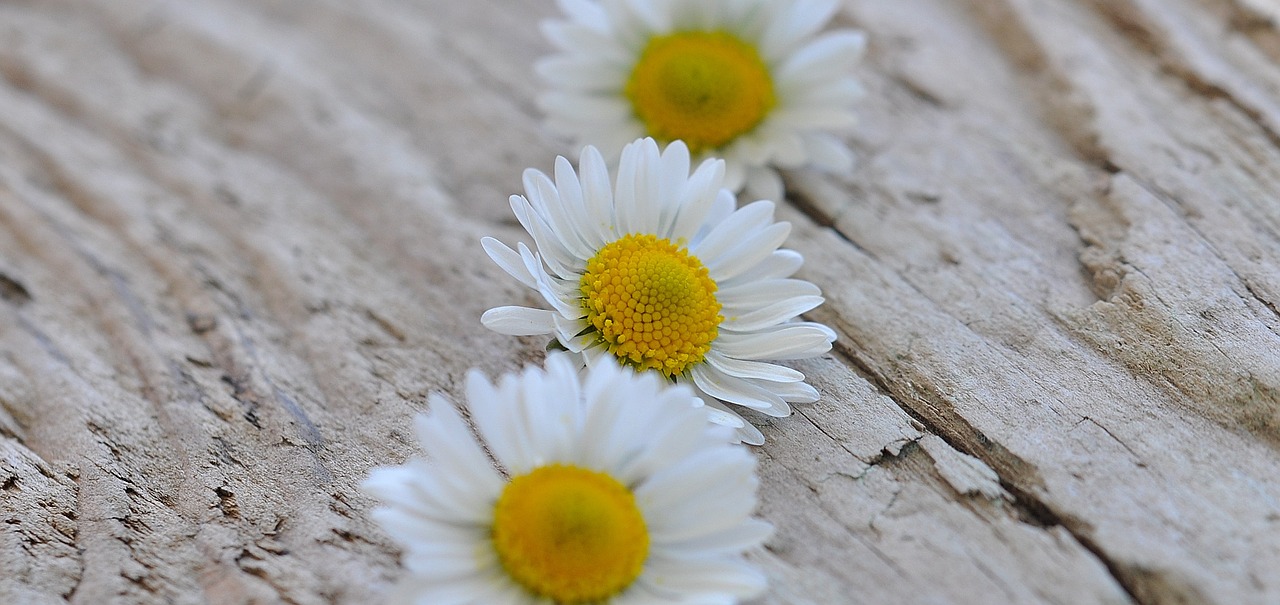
x=652 y=303
x=570 y=534
x=706 y=88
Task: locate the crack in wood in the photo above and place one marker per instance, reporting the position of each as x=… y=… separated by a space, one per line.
x=13 y=291
x=1138 y=26
x=1030 y=508
x=1178 y=206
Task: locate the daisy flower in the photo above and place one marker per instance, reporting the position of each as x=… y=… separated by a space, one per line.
x=750 y=81
x=612 y=488
x=660 y=272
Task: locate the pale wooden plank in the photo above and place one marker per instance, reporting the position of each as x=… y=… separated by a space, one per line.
x=239 y=243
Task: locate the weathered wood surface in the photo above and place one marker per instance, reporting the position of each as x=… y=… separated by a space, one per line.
x=239 y=247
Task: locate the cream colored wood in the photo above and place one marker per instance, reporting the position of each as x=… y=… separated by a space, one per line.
x=239 y=246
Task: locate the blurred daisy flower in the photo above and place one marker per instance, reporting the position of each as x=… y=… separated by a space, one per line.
x=659 y=271
x=612 y=488
x=750 y=81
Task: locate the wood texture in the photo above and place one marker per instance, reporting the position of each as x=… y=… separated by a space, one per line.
x=239 y=247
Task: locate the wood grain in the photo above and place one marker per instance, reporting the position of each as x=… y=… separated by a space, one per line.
x=239 y=248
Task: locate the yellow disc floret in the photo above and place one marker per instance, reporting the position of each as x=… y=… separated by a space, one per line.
x=570 y=534
x=705 y=88
x=652 y=303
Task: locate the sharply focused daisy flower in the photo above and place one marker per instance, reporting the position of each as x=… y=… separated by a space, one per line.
x=660 y=272
x=750 y=81
x=613 y=487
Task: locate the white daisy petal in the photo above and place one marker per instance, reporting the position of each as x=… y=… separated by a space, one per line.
x=508 y=260
x=550 y=244
x=791 y=26
x=565 y=414
x=726 y=541
x=771 y=315
x=576 y=74
x=693 y=206
x=424 y=499
x=567 y=36
x=597 y=188
x=541 y=413
x=506 y=592
x=570 y=334
x=753 y=369
x=570 y=189
x=624 y=191
x=421 y=590
x=718 y=413
x=835 y=92
x=721 y=208
x=627 y=456
x=782 y=263
x=730 y=577
x=519 y=321
x=795 y=392
x=669 y=438
x=606 y=52
x=651 y=14
x=726 y=423
x=544 y=196
x=443 y=563
x=648 y=203
x=586 y=12
x=749 y=434
x=471 y=589
x=602 y=420
x=491 y=409
x=438 y=531
x=784 y=343
x=788 y=152
x=831 y=53
x=550 y=293
x=735 y=390
x=554 y=290
x=727 y=234
x=447 y=440
x=751 y=295
x=596 y=355
x=533 y=267
x=829 y=153
x=816 y=117
x=668 y=185
x=657 y=270
x=748 y=252
x=669 y=496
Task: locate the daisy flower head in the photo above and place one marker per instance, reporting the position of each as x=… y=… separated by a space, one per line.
x=750 y=81
x=611 y=488
x=659 y=271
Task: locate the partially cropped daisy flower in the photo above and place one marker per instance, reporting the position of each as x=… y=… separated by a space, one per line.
x=660 y=272
x=612 y=488
x=750 y=81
